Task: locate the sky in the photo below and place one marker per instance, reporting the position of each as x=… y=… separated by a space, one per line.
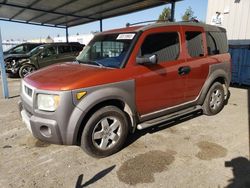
x=18 y=31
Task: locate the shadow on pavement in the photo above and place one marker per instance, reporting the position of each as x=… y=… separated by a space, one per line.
x=94 y=179
x=241 y=165
x=241 y=171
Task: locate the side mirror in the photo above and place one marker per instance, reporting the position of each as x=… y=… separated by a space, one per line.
x=151 y=60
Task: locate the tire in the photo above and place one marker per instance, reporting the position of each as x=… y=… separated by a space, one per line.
x=25 y=70
x=99 y=139
x=214 y=101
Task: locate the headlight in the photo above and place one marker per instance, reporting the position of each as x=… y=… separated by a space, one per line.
x=47 y=102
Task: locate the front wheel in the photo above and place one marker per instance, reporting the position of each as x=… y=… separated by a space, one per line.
x=25 y=70
x=105 y=132
x=214 y=101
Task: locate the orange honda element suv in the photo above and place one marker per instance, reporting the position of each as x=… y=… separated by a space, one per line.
x=127 y=79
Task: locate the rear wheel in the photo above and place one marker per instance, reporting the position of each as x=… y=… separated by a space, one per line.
x=105 y=132
x=25 y=70
x=214 y=101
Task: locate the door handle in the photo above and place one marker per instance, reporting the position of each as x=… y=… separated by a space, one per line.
x=184 y=70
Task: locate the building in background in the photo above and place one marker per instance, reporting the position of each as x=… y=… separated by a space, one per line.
x=7 y=44
x=234 y=16
x=81 y=38
x=42 y=40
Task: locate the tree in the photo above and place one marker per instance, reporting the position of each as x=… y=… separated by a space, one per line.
x=188 y=14
x=165 y=15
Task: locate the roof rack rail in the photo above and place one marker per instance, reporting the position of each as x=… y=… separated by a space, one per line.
x=149 y=21
x=193 y=19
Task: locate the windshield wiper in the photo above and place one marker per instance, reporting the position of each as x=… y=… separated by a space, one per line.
x=91 y=63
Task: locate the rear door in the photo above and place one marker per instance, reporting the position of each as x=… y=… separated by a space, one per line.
x=197 y=61
x=65 y=53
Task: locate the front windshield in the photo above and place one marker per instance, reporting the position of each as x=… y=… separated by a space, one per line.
x=35 y=50
x=106 y=50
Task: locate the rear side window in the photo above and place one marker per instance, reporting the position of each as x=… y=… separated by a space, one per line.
x=64 y=49
x=217 y=43
x=164 y=45
x=194 y=43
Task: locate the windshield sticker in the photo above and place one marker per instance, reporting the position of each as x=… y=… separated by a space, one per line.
x=127 y=36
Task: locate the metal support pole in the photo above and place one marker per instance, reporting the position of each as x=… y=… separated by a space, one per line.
x=2 y=71
x=67 y=35
x=100 y=25
x=172 y=11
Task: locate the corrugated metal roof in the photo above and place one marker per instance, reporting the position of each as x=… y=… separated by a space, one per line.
x=68 y=13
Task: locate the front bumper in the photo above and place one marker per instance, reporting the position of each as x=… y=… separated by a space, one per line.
x=41 y=128
x=58 y=127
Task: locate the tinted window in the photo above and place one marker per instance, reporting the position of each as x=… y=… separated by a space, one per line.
x=50 y=51
x=221 y=41
x=64 y=49
x=194 y=43
x=164 y=45
x=211 y=45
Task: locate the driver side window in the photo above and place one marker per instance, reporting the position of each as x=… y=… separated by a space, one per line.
x=165 y=45
x=51 y=51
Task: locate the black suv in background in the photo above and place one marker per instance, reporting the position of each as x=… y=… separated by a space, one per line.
x=41 y=56
x=21 y=49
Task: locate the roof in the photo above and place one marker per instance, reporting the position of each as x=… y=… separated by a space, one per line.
x=138 y=28
x=206 y=27
x=68 y=13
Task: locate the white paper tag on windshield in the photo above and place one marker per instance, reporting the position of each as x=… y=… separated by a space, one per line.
x=125 y=36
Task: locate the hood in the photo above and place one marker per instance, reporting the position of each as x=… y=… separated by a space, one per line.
x=67 y=76
x=16 y=56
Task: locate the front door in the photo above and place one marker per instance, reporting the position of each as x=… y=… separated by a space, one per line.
x=160 y=86
x=47 y=57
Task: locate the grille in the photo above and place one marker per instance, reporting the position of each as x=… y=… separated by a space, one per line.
x=28 y=91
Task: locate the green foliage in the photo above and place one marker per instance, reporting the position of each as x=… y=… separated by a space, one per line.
x=165 y=15
x=188 y=14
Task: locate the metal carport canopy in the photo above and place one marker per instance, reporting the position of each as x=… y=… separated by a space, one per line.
x=68 y=13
